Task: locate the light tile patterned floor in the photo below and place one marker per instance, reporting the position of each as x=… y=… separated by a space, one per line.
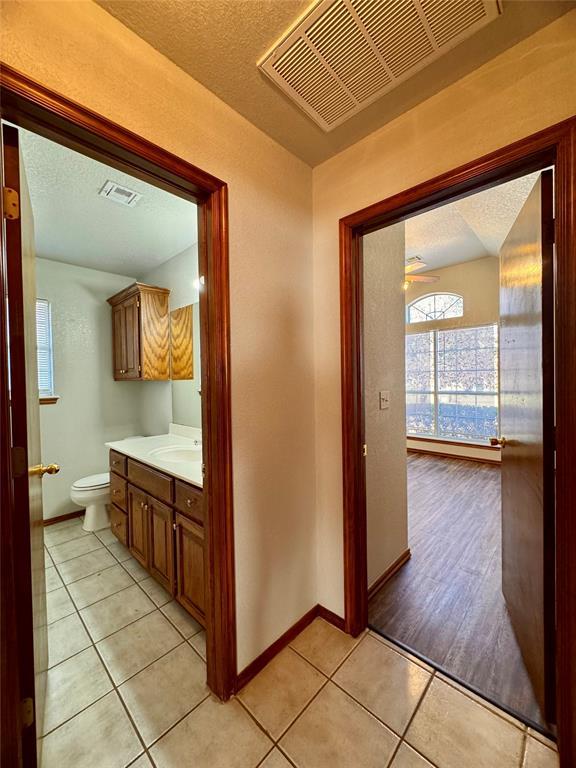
x=127 y=687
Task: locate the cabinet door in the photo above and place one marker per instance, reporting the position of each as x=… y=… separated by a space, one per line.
x=138 y=524
x=190 y=566
x=131 y=369
x=161 y=553
x=119 y=340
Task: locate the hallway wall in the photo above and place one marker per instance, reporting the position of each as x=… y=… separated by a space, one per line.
x=523 y=90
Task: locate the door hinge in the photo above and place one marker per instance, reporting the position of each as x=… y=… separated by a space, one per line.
x=27 y=711
x=364 y=450
x=19 y=463
x=10 y=203
x=139 y=369
x=203 y=470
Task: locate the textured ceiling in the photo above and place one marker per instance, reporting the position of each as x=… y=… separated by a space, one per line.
x=467 y=229
x=219 y=42
x=74 y=225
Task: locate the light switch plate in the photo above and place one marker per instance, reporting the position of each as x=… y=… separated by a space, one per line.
x=384 y=400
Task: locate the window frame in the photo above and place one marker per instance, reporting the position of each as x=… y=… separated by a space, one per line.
x=435 y=394
x=45 y=397
x=457 y=296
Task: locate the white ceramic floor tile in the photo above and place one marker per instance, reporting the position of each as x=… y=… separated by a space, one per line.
x=48 y=562
x=165 y=691
x=99 y=737
x=53 y=580
x=72 y=686
x=452 y=730
x=275 y=760
x=139 y=644
x=336 y=732
x=372 y=671
x=155 y=591
x=539 y=737
x=58 y=605
x=323 y=645
x=198 y=642
x=99 y=585
x=184 y=623
x=106 y=536
x=406 y=757
x=82 y=566
x=278 y=694
x=135 y=569
x=75 y=548
x=54 y=535
x=488 y=705
x=66 y=637
x=142 y=762
x=214 y=735
x=400 y=650
x=116 y=611
x=538 y=755
x=120 y=552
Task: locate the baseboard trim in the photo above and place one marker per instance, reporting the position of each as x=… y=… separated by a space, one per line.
x=256 y=666
x=481 y=460
x=62 y=518
x=389 y=572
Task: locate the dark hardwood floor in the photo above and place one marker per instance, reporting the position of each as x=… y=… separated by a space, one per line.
x=446 y=603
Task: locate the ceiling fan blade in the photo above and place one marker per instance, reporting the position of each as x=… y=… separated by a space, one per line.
x=422 y=278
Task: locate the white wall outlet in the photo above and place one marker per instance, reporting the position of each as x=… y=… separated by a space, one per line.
x=384 y=400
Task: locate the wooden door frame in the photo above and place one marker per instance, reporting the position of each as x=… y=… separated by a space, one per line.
x=30 y=105
x=553 y=146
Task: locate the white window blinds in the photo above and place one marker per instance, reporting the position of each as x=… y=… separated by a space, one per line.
x=44 y=347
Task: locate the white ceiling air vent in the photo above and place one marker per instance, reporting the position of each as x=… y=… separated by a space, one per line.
x=344 y=54
x=119 y=194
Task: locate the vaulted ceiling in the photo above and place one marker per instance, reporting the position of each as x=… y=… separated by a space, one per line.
x=219 y=42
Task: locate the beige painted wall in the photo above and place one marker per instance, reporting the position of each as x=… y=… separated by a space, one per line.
x=525 y=89
x=78 y=49
x=384 y=363
x=478 y=282
x=93 y=408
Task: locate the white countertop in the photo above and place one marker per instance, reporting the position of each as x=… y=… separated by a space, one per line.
x=170 y=453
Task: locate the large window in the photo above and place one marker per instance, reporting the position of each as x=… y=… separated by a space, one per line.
x=436 y=306
x=44 y=348
x=452 y=383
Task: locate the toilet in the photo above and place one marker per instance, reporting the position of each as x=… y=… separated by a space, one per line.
x=93 y=493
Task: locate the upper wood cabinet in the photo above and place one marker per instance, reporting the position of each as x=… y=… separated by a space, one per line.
x=141 y=333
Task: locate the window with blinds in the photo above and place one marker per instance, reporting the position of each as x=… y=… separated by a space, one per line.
x=44 y=348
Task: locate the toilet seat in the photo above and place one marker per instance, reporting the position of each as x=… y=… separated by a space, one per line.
x=92 y=482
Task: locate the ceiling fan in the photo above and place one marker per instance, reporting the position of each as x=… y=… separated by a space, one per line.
x=413 y=264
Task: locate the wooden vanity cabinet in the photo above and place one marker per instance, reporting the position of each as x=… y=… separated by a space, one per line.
x=138 y=524
x=161 y=541
x=141 y=333
x=190 y=566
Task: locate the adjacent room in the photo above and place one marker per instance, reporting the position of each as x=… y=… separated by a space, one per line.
x=435 y=300
x=118 y=335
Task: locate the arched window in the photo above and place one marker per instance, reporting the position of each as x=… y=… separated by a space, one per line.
x=435 y=306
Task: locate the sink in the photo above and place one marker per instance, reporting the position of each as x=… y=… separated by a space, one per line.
x=177 y=453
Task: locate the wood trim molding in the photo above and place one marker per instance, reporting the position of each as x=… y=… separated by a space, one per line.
x=31 y=105
x=553 y=146
x=62 y=518
x=256 y=666
x=389 y=572
x=50 y=400
x=459 y=443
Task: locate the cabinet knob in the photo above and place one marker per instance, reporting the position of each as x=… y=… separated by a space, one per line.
x=141 y=505
x=189 y=502
x=115 y=491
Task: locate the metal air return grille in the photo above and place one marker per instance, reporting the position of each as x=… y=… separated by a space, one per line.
x=346 y=53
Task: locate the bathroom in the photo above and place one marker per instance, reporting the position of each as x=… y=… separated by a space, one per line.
x=119 y=372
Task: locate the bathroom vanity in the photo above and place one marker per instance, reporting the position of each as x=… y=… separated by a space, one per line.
x=157 y=511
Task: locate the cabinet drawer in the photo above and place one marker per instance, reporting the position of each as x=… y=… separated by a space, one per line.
x=189 y=500
x=118 y=490
x=118 y=463
x=150 y=480
x=119 y=524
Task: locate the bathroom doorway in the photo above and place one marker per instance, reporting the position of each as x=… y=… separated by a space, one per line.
x=172 y=511
x=550 y=148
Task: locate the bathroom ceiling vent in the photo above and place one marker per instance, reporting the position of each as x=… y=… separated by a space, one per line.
x=344 y=54
x=119 y=194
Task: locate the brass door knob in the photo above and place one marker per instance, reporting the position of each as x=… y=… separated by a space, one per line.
x=495 y=441
x=44 y=469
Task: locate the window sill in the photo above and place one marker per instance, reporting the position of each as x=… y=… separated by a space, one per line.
x=51 y=400
x=447 y=441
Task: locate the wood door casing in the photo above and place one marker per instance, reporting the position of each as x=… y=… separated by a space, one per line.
x=161 y=544
x=527 y=423
x=190 y=566
x=138 y=525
